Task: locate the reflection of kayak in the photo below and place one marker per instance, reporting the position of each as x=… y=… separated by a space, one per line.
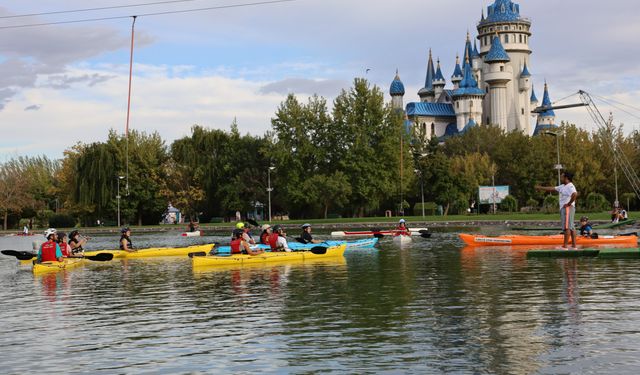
x=67 y=263
x=333 y=262
x=196 y=233
x=402 y=239
x=241 y=259
x=154 y=252
x=414 y=232
x=479 y=240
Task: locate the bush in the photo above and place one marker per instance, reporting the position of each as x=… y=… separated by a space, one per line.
x=62 y=221
x=509 y=204
x=551 y=204
x=217 y=220
x=596 y=202
x=429 y=208
x=334 y=216
x=532 y=203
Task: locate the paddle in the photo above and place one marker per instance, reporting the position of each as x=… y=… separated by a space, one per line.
x=28 y=255
x=319 y=250
x=198 y=254
x=253 y=222
x=629 y=234
x=424 y=233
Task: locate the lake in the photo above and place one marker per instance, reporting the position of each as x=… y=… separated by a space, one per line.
x=431 y=307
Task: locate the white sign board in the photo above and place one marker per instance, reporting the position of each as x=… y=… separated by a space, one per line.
x=492 y=194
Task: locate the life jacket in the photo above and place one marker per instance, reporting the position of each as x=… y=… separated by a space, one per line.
x=129 y=245
x=235 y=246
x=264 y=238
x=65 y=249
x=273 y=241
x=403 y=230
x=76 y=250
x=48 y=252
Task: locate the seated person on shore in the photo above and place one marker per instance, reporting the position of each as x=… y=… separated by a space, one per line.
x=266 y=233
x=76 y=241
x=615 y=215
x=402 y=228
x=306 y=236
x=585 y=227
x=50 y=251
x=623 y=214
x=278 y=240
x=125 y=240
x=240 y=246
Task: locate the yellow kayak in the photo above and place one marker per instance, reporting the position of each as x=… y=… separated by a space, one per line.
x=67 y=263
x=242 y=259
x=154 y=252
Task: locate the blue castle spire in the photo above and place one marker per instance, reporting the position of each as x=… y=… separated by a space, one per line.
x=439 y=78
x=428 y=83
x=525 y=71
x=534 y=98
x=546 y=103
x=468 y=85
x=457 y=72
x=397 y=87
x=497 y=52
x=502 y=11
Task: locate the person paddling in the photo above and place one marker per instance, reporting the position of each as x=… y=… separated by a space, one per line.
x=306 y=236
x=568 y=196
x=277 y=240
x=76 y=241
x=402 y=228
x=192 y=227
x=240 y=246
x=125 y=240
x=266 y=233
x=50 y=251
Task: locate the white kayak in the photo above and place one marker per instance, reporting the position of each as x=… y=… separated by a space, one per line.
x=402 y=239
x=197 y=233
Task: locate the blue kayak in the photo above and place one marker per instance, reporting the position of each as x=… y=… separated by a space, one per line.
x=296 y=246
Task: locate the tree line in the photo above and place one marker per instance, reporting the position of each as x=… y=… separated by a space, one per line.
x=357 y=159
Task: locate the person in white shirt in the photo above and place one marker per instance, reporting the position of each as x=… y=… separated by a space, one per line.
x=568 y=196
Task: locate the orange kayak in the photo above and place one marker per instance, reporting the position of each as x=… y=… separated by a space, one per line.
x=558 y=239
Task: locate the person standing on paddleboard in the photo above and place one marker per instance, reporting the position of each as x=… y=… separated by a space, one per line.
x=568 y=196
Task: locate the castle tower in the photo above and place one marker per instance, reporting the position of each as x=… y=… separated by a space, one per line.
x=546 y=119
x=438 y=81
x=467 y=100
x=397 y=93
x=457 y=74
x=498 y=76
x=427 y=93
x=503 y=18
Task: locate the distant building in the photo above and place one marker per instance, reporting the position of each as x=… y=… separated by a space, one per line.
x=492 y=86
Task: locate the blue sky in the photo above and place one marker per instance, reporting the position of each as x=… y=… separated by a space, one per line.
x=207 y=68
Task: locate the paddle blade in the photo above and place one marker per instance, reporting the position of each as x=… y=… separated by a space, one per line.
x=425 y=235
x=21 y=255
x=101 y=257
x=319 y=250
x=629 y=234
x=253 y=222
x=299 y=239
x=423 y=231
x=378 y=235
x=197 y=254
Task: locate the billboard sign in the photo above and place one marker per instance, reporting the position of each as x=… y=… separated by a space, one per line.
x=492 y=194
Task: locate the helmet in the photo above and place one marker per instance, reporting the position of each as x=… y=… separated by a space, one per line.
x=402 y=221
x=305 y=225
x=265 y=226
x=277 y=228
x=49 y=232
x=240 y=225
x=124 y=230
x=584 y=218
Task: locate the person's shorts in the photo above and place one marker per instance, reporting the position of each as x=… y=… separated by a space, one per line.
x=571 y=212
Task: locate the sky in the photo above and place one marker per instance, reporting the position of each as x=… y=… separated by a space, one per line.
x=64 y=84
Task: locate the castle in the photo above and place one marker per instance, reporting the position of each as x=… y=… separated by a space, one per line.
x=493 y=85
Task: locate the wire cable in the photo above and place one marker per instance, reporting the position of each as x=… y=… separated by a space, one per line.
x=244 y=5
x=95 y=9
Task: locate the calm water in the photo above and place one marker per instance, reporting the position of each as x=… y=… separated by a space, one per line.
x=433 y=307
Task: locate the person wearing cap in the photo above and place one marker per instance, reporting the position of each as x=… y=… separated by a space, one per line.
x=240 y=246
x=306 y=236
x=278 y=240
x=76 y=241
x=585 y=227
x=266 y=232
x=125 y=240
x=402 y=228
x=50 y=250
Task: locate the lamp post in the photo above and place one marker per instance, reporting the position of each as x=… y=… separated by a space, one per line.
x=269 y=189
x=557 y=166
x=421 y=155
x=118 y=198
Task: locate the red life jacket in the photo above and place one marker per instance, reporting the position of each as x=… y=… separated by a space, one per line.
x=64 y=248
x=235 y=246
x=48 y=252
x=264 y=238
x=403 y=230
x=273 y=241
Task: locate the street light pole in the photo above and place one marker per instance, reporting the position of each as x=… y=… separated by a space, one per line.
x=558 y=166
x=269 y=189
x=118 y=198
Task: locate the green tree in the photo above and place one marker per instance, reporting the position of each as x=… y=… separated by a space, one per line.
x=14 y=194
